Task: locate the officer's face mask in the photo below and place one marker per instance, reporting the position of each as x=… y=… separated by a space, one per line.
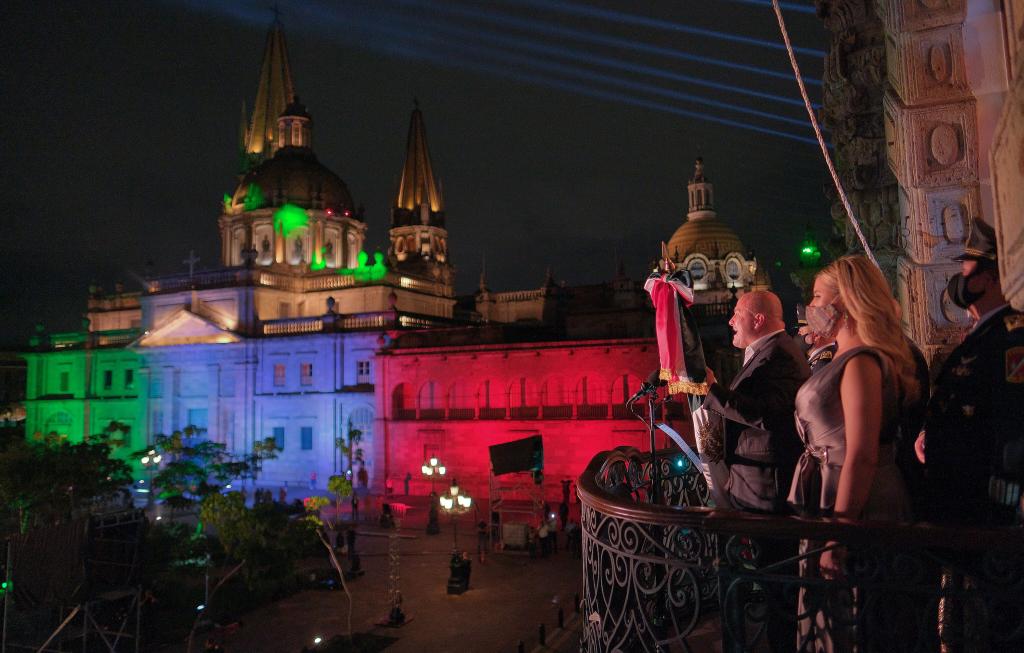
x=958 y=291
x=823 y=321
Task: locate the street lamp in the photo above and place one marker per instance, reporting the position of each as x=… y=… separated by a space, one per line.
x=432 y=469
x=455 y=503
x=151 y=461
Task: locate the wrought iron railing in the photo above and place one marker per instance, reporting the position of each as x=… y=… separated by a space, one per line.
x=654 y=575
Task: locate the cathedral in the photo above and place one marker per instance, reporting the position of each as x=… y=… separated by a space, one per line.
x=300 y=335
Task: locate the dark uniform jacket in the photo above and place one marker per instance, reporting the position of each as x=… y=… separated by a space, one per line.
x=822 y=357
x=761 y=443
x=974 y=429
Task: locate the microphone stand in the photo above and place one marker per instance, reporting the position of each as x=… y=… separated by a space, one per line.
x=652 y=397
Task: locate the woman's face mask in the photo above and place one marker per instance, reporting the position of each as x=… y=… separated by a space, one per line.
x=823 y=321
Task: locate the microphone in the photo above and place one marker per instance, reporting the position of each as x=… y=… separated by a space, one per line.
x=648 y=387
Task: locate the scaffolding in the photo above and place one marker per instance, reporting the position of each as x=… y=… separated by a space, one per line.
x=514 y=493
x=98 y=607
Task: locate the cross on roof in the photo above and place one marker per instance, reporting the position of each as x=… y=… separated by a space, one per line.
x=191 y=262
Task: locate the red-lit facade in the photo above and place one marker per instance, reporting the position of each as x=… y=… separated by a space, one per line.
x=436 y=397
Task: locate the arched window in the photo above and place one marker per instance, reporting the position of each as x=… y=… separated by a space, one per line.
x=555 y=392
x=490 y=400
x=431 y=402
x=622 y=389
x=698 y=270
x=591 y=390
x=361 y=420
x=460 y=401
x=402 y=404
x=733 y=269
x=523 y=399
x=521 y=392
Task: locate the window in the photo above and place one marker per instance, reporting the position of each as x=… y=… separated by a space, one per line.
x=279 y=374
x=732 y=269
x=698 y=270
x=197 y=417
x=306 y=373
x=279 y=437
x=284 y=309
x=65 y=381
x=108 y=379
x=129 y=379
x=363 y=372
x=307 y=437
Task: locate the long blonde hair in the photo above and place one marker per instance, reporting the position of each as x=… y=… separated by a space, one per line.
x=868 y=299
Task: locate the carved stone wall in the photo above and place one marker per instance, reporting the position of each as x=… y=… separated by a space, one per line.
x=1008 y=163
x=932 y=148
x=854 y=83
x=912 y=93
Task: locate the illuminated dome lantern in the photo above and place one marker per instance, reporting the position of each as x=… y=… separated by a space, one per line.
x=712 y=252
x=292 y=179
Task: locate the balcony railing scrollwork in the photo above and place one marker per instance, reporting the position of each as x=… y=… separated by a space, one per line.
x=657 y=576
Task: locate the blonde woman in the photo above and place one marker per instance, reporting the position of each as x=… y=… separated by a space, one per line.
x=848 y=417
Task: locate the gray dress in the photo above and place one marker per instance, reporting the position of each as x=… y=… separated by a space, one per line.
x=821 y=424
x=827 y=613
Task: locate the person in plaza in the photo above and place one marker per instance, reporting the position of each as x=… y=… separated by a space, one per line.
x=482 y=540
x=405 y=481
x=848 y=416
x=972 y=444
x=312 y=480
x=760 y=441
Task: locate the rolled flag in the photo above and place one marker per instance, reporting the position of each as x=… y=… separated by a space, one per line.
x=680 y=352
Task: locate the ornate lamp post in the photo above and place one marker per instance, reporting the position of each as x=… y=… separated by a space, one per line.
x=432 y=470
x=455 y=503
x=150 y=461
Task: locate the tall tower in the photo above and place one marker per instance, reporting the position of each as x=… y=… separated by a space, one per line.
x=419 y=240
x=273 y=95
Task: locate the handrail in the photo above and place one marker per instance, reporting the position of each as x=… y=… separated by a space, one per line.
x=851 y=531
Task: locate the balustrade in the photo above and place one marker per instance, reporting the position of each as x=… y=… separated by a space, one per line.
x=654 y=574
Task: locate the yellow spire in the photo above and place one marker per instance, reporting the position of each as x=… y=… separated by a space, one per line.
x=418 y=186
x=273 y=95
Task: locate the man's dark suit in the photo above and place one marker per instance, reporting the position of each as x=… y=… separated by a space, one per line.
x=761 y=443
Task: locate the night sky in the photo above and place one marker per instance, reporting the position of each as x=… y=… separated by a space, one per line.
x=563 y=136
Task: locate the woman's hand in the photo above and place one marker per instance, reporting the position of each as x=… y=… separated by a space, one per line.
x=832 y=561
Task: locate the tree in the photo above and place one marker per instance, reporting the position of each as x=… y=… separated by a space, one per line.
x=340 y=487
x=51 y=479
x=197 y=468
x=349 y=447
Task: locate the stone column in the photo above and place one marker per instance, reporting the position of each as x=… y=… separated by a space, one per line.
x=1008 y=162
x=932 y=147
x=853 y=85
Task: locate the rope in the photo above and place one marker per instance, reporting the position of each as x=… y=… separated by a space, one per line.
x=817 y=132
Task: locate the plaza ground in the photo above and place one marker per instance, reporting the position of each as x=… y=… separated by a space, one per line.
x=509 y=597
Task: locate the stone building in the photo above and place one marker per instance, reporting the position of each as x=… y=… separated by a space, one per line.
x=298 y=334
x=924 y=101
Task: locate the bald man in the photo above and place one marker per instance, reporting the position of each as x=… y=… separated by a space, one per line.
x=761 y=443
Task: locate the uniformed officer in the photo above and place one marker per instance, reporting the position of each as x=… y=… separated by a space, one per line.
x=973 y=436
x=820 y=355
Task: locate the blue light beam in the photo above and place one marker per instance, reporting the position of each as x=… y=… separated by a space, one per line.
x=547 y=29
x=415 y=27
x=643 y=21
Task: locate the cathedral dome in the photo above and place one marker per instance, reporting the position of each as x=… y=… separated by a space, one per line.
x=293 y=176
x=708 y=236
